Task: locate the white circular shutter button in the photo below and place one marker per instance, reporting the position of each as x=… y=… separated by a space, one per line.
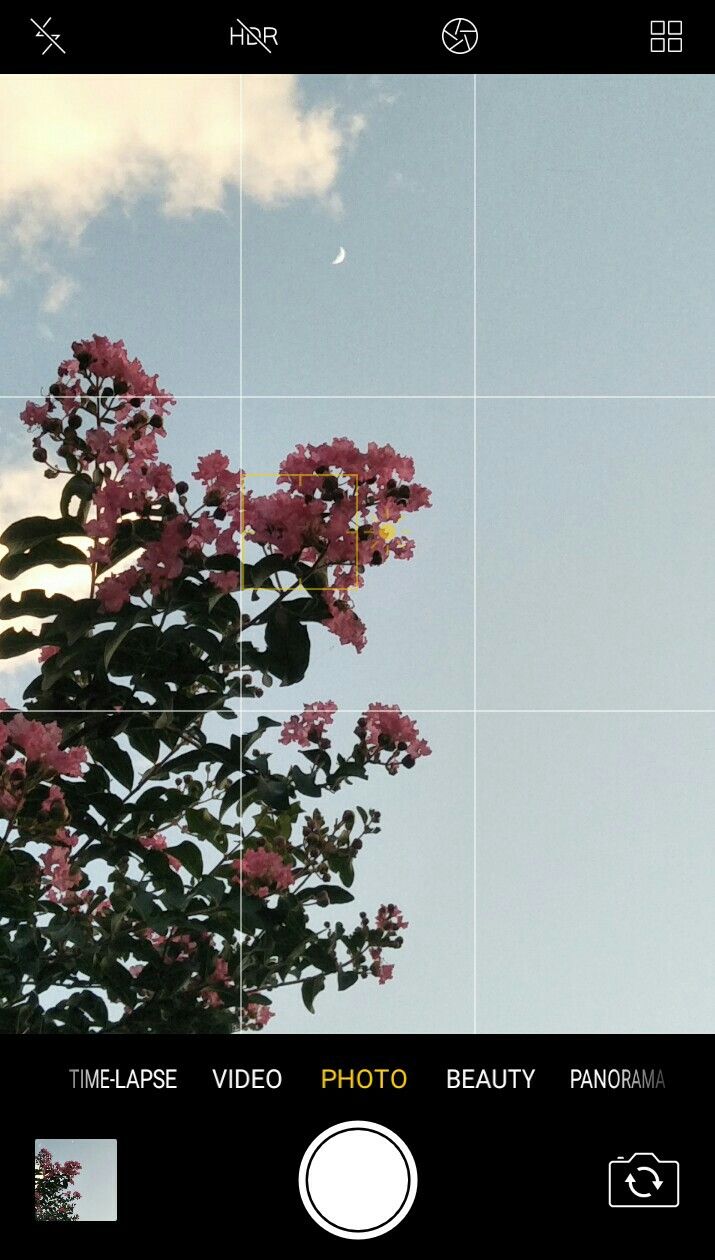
x=357 y=1179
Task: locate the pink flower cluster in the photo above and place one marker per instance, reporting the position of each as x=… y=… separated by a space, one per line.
x=340 y=511
x=381 y=728
x=309 y=727
x=50 y=1169
x=382 y=970
x=105 y=360
x=174 y=947
x=255 y=1016
x=40 y=757
x=219 y=977
x=260 y=873
x=159 y=842
x=390 y=921
x=337 y=508
x=386 y=728
x=56 y=866
x=40 y=743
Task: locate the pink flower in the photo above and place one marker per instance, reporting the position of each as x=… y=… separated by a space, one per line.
x=224 y=581
x=345 y=623
x=258 y=1014
x=160 y=842
x=286 y=523
x=220 y=973
x=387 y=728
x=40 y=742
x=211 y=999
x=56 y=867
x=105 y=358
x=55 y=796
x=115 y=592
x=47 y=652
x=260 y=872
x=162 y=559
x=389 y=919
x=35 y=414
x=153 y=842
x=310 y=727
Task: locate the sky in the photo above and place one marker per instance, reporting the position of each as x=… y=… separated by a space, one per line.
x=593 y=553
x=97 y=1181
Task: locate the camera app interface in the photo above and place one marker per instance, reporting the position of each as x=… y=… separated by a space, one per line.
x=356 y=617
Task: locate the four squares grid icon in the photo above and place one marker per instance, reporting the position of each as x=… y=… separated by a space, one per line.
x=666 y=35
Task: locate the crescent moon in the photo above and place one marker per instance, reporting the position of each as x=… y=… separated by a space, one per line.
x=340 y=257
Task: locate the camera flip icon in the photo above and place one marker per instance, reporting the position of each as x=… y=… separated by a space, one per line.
x=644 y=1180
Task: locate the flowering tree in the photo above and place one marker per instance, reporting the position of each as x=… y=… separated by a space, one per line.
x=111 y=764
x=54 y=1200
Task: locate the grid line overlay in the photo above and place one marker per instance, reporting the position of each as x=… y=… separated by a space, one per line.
x=474 y=552
x=240 y=464
x=475 y=398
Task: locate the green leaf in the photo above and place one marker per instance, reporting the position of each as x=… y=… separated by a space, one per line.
x=125 y=622
x=259 y=574
x=287 y=646
x=189 y=855
x=209 y=887
x=249 y=739
x=336 y=896
x=17 y=642
x=58 y=554
x=310 y=989
x=120 y=984
x=203 y=824
x=232 y=796
x=342 y=864
x=31 y=530
x=78 y=487
x=115 y=759
x=305 y=783
x=146 y=741
x=34 y=603
x=152 y=914
x=94 y=1007
x=273 y=790
x=346 y=980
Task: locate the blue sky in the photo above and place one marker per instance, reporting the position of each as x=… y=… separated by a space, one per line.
x=594 y=554
x=394 y=318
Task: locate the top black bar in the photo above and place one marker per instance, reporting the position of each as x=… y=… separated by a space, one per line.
x=656 y=40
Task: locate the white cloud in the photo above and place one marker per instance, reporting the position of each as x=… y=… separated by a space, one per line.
x=58 y=294
x=72 y=144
